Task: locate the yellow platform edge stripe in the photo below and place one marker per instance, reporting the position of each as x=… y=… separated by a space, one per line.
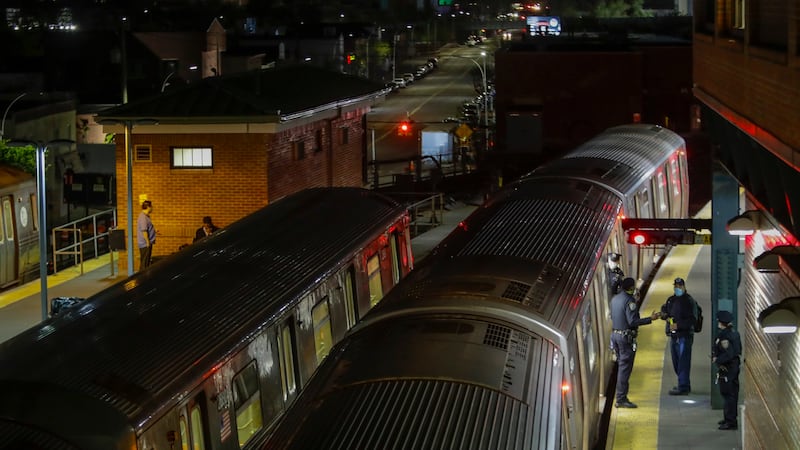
x=16 y=294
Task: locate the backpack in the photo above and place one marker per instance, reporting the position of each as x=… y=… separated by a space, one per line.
x=698 y=319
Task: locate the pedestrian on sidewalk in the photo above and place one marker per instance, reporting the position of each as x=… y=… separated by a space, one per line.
x=625 y=322
x=680 y=312
x=726 y=355
x=207 y=229
x=147 y=235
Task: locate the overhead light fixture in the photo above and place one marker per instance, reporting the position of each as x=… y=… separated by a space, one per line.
x=744 y=224
x=770 y=261
x=781 y=318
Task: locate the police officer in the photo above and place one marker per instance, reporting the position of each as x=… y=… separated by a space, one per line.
x=625 y=322
x=726 y=355
x=615 y=273
x=680 y=312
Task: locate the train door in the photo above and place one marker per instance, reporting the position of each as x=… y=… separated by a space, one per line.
x=588 y=362
x=288 y=361
x=350 y=302
x=644 y=254
x=395 y=255
x=675 y=188
x=193 y=418
x=375 y=280
x=661 y=194
x=8 y=250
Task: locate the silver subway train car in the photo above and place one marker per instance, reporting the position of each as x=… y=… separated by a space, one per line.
x=19 y=225
x=207 y=348
x=499 y=339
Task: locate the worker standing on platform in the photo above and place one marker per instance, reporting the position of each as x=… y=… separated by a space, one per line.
x=726 y=355
x=625 y=322
x=680 y=312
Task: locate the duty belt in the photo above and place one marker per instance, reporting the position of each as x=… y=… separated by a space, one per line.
x=622 y=331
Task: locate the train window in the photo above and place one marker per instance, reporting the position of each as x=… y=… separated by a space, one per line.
x=198 y=442
x=395 y=259
x=184 y=433
x=323 y=338
x=287 y=360
x=349 y=297
x=375 y=283
x=8 y=219
x=247 y=402
x=35 y=211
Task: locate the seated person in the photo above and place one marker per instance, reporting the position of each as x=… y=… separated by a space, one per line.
x=207 y=229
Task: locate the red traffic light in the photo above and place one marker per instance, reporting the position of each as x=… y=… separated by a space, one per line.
x=661 y=237
x=404 y=129
x=638 y=237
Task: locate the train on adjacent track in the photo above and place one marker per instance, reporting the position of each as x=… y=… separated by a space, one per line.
x=19 y=222
x=207 y=348
x=499 y=338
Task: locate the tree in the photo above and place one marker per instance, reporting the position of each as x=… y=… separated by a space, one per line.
x=23 y=158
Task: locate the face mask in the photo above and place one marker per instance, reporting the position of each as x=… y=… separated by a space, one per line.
x=678 y=292
x=612 y=265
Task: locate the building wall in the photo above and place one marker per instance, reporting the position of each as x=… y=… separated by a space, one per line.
x=181 y=197
x=760 y=84
x=746 y=72
x=250 y=170
x=583 y=91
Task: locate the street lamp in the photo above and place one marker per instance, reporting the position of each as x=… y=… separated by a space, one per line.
x=128 y=125
x=41 y=149
x=482 y=69
x=3 y=124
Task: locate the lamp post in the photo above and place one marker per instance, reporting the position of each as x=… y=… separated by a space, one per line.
x=482 y=69
x=394 y=57
x=128 y=126
x=3 y=124
x=41 y=194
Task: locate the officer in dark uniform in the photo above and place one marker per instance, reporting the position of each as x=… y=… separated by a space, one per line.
x=726 y=355
x=625 y=322
x=615 y=274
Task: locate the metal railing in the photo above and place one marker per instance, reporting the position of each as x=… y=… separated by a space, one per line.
x=394 y=172
x=89 y=234
x=426 y=213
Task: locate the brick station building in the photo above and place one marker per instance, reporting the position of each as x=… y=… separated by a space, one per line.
x=227 y=146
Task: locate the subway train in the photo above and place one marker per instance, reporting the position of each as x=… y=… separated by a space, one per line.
x=207 y=348
x=19 y=222
x=499 y=339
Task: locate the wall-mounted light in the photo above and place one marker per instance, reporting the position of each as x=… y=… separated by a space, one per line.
x=770 y=260
x=744 y=224
x=782 y=317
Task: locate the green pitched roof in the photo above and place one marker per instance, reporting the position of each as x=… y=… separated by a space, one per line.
x=267 y=93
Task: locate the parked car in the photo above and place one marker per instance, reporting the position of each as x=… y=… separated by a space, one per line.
x=400 y=82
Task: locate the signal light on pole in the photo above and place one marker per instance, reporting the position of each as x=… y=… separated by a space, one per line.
x=404 y=129
x=638 y=237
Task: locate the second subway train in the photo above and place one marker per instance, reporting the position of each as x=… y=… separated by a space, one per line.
x=206 y=349
x=499 y=339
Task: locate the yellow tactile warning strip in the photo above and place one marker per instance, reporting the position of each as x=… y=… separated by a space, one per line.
x=26 y=290
x=638 y=428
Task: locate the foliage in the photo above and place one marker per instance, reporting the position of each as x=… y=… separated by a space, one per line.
x=23 y=158
x=620 y=8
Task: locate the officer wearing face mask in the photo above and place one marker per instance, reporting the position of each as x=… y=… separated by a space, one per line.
x=615 y=273
x=680 y=312
x=726 y=355
x=625 y=322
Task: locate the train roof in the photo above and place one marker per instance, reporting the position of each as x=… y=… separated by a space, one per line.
x=621 y=158
x=135 y=344
x=11 y=176
x=546 y=274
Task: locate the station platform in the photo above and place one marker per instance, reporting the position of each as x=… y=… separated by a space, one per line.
x=662 y=421
x=21 y=307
